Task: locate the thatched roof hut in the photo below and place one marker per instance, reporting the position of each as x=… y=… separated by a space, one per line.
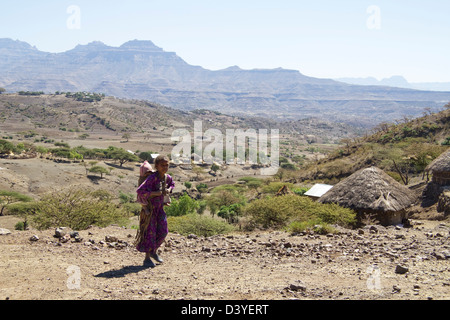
x=440 y=169
x=372 y=193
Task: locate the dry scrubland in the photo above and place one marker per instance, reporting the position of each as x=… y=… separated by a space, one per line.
x=370 y=262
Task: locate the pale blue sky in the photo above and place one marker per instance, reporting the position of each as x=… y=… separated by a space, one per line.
x=323 y=38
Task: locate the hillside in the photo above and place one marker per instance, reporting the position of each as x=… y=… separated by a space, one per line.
x=58 y=120
x=370 y=263
x=63 y=115
x=402 y=149
x=142 y=70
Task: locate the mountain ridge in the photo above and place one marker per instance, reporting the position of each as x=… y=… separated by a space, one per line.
x=397 y=81
x=138 y=69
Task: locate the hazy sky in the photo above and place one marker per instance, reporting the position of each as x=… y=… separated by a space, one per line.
x=325 y=39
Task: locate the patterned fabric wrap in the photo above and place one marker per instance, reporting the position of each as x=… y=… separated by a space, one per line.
x=153 y=227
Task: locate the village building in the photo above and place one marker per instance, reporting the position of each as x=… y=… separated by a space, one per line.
x=374 y=195
x=440 y=169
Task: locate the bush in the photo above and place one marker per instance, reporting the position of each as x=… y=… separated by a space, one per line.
x=446 y=142
x=274 y=187
x=252 y=182
x=279 y=212
x=132 y=208
x=199 y=225
x=224 y=197
x=300 y=191
x=230 y=213
x=202 y=187
x=6 y=147
x=76 y=209
x=184 y=205
x=188 y=185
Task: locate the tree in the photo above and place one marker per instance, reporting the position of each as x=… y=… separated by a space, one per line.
x=230 y=213
x=126 y=136
x=215 y=167
x=2 y=90
x=8 y=197
x=146 y=155
x=198 y=171
x=123 y=156
x=98 y=169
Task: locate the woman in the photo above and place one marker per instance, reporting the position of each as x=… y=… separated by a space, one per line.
x=153 y=222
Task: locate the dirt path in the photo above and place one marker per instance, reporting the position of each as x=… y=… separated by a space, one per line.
x=362 y=265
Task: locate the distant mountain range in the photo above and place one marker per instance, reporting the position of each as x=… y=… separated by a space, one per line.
x=141 y=70
x=397 y=81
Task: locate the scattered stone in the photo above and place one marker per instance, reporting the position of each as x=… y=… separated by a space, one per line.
x=298 y=286
x=34 y=238
x=192 y=236
x=78 y=239
x=396 y=289
x=110 y=238
x=401 y=269
x=60 y=232
x=373 y=229
x=74 y=234
x=441 y=256
x=64 y=238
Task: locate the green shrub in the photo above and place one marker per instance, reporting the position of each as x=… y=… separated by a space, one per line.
x=252 y=182
x=274 y=187
x=221 y=197
x=76 y=209
x=231 y=213
x=6 y=147
x=279 y=212
x=300 y=191
x=184 y=205
x=132 y=208
x=446 y=142
x=202 y=187
x=199 y=225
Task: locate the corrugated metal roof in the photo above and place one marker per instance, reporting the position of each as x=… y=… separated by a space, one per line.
x=318 y=190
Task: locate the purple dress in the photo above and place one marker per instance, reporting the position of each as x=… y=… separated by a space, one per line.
x=157 y=228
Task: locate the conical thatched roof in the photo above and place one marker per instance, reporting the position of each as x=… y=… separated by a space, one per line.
x=440 y=164
x=370 y=189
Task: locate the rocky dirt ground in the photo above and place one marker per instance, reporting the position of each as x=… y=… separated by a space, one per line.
x=372 y=263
